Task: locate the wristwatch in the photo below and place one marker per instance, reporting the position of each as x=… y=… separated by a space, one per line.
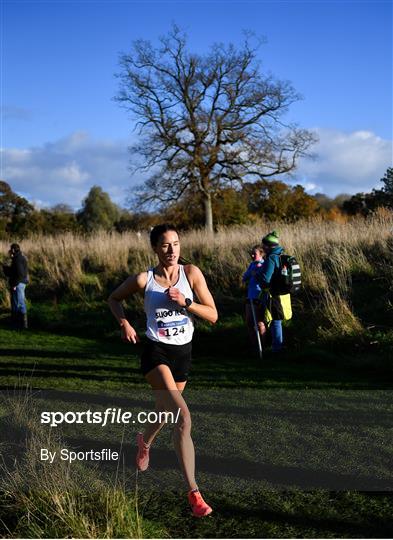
x=188 y=302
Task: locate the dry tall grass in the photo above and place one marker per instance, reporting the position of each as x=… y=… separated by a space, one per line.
x=57 y=500
x=329 y=253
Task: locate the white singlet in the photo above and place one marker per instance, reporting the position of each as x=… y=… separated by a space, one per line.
x=167 y=322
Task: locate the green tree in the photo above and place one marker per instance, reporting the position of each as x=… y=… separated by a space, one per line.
x=384 y=197
x=61 y=218
x=14 y=211
x=230 y=207
x=356 y=205
x=98 y=211
x=364 y=203
x=207 y=122
x=387 y=181
x=37 y=223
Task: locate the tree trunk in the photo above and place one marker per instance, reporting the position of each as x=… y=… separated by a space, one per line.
x=207 y=200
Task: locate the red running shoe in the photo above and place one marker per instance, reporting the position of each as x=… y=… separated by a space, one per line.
x=142 y=457
x=198 y=506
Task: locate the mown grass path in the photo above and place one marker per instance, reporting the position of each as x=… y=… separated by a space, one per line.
x=300 y=445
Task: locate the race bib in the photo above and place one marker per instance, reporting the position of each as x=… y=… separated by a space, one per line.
x=171 y=323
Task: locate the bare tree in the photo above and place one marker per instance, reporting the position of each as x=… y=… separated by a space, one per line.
x=206 y=121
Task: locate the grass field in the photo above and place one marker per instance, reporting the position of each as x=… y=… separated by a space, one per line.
x=296 y=446
x=299 y=445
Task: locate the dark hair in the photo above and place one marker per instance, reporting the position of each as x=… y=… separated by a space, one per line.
x=15 y=247
x=158 y=230
x=258 y=247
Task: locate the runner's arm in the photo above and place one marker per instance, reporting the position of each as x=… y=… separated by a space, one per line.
x=130 y=286
x=206 y=308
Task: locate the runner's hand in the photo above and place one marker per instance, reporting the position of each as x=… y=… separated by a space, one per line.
x=175 y=295
x=128 y=333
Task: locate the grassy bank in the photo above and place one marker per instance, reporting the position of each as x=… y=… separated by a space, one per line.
x=59 y=501
x=333 y=256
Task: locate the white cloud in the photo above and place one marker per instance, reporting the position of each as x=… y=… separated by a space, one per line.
x=72 y=174
x=346 y=162
x=65 y=170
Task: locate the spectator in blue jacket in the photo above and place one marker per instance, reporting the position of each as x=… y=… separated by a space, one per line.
x=266 y=279
x=254 y=290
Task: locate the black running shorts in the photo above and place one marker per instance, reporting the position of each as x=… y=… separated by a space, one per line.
x=176 y=357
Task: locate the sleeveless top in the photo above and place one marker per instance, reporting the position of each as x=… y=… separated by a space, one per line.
x=167 y=322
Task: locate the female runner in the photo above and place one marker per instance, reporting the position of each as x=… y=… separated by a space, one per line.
x=169 y=306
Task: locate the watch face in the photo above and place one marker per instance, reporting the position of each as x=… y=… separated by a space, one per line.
x=188 y=302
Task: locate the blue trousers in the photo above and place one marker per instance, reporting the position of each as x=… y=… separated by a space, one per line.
x=277 y=339
x=18 y=300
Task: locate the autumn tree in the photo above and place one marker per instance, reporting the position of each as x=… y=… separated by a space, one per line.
x=327 y=203
x=277 y=200
x=229 y=208
x=302 y=205
x=206 y=122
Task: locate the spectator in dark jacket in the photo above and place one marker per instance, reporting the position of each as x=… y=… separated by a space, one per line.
x=17 y=274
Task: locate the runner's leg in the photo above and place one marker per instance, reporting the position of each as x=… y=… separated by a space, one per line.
x=153 y=429
x=169 y=398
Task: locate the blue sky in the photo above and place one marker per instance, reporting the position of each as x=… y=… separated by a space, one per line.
x=62 y=132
